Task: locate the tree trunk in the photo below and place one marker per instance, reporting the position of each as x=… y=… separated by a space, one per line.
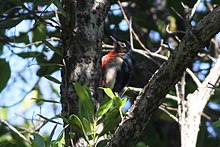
x=82 y=33
x=193 y=106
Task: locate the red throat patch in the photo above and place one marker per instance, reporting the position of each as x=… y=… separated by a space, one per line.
x=105 y=60
x=107 y=57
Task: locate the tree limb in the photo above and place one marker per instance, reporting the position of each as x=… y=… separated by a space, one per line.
x=164 y=79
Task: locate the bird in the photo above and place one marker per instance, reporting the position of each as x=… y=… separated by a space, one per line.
x=117 y=66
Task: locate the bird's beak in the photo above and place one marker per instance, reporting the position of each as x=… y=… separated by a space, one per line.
x=113 y=39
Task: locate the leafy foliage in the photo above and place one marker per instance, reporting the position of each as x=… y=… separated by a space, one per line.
x=94 y=125
x=5 y=74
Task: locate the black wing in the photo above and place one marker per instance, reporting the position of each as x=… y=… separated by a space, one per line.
x=124 y=74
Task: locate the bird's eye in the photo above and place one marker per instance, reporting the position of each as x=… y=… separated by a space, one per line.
x=123 y=45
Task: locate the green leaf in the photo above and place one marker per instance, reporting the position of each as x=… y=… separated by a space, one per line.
x=28 y=54
x=49 y=120
x=38 y=141
x=105 y=106
x=6 y=137
x=61 y=135
x=113 y=114
x=123 y=101
x=45 y=100
x=47 y=67
x=50 y=64
x=4 y=113
x=11 y=22
x=216 y=124
x=111 y=124
x=102 y=143
x=72 y=134
x=21 y=38
x=87 y=125
x=85 y=101
x=119 y=102
x=27 y=102
x=109 y=92
x=52 y=79
x=13 y=10
x=52 y=133
x=39 y=32
x=4 y=74
x=41 y=2
x=55 y=90
x=76 y=122
x=59 y=7
x=63 y=118
x=55 y=49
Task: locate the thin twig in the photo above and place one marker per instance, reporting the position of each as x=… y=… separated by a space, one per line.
x=140 y=51
x=177 y=13
x=34 y=43
x=137 y=90
x=194 y=9
x=207 y=55
x=41 y=19
x=130 y=31
x=168 y=113
x=194 y=77
x=135 y=35
x=13 y=129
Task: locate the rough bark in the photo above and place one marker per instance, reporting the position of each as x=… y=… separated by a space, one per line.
x=164 y=79
x=82 y=33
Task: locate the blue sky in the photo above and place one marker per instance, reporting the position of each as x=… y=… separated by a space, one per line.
x=17 y=88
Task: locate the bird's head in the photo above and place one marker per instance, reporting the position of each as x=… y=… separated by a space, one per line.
x=121 y=46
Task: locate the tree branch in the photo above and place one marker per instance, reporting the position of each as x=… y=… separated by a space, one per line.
x=164 y=79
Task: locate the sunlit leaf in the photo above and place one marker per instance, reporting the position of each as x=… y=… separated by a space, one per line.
x=28 y=99
x=6 y=138
x=106 y=104
x=76 y=122
x=109 y=92
x=85 y=101
x=4 y=74
x=119 y=102
x=4 y=113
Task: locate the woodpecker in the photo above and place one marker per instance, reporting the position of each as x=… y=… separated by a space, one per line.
x=117 y=66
